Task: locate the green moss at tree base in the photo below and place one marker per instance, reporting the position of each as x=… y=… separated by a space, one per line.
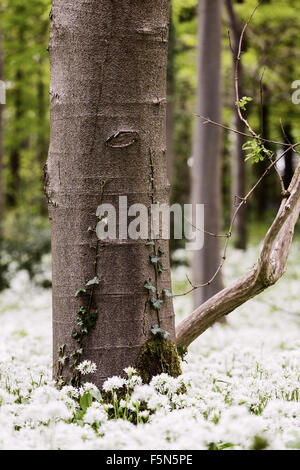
x=158 y=356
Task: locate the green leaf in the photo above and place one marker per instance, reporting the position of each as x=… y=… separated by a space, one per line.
x=85 y=401
x=149 y=286
x=156 y=303
x=256 y=151
x=156 y=330
x=159 y=267
x=96 y=394
x=149 y=242
x=93 y=282
x=243 y=102
x=75 y=334
x=182 y=352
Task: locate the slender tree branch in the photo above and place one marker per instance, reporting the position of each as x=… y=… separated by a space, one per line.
x=207 y=120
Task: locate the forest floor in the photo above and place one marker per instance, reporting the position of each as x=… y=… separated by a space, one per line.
x=243 y=377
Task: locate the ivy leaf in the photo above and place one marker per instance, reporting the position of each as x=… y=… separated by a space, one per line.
x=80 y=291
x=149 y=242
x=156 y=330
x=154 y=258
x=149 y=286
x=93 y=282
x=62 y=359
x=91 y=319
x=167 y=293
x=160 y=251
x=159 y=267
x=61 y=349
x=156 y=303
x=82 y=311
x=75 y=334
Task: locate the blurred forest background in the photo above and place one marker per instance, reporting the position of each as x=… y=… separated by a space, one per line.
x=271 y=51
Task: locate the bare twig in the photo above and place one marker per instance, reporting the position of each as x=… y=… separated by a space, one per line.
x=207 y=120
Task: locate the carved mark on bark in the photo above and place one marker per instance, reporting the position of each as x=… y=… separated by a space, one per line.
x=54 y=96
x=47 y=190
x=122 y=139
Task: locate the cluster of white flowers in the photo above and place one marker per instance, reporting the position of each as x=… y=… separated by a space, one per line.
x=87 y=367
x=240 y=387
x=113 y=384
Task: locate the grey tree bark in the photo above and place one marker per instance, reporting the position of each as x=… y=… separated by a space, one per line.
x=207 y=146
x=108 y=117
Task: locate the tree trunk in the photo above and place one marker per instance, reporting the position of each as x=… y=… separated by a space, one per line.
x=238 y=161
x=207 y=147
x=170 y=98
x=19 y=141
x=1 y=141
x=42 y=134
x=108 y=139
x=267 y=195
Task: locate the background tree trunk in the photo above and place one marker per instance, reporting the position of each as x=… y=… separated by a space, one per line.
x=1 y=139
x=207 y=146
x=267 y=195
x=170 y=97
x=238 y=160
x=108 y=119
x=288 y=159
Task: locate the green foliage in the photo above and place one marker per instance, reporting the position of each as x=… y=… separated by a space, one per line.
x=219 y=445
x=149 y=286
x=259 y=443
x=94 y=281
x=156 y=303
x=24 y=28
x=85 y=401
x=256 y=151
x=182 y=352
x=243 y=102
x=158 y=356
